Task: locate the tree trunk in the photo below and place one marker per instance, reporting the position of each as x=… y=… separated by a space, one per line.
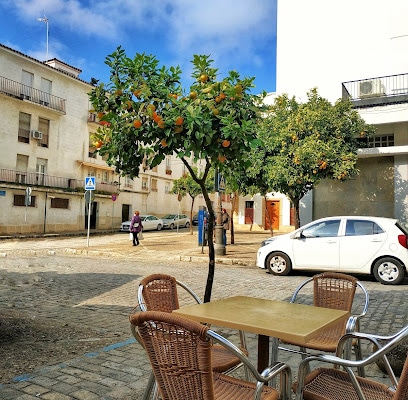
x=297 y=212
x=211 y=251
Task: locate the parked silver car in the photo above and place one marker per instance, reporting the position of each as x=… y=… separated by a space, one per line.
x=171 y=221
x=149 y=222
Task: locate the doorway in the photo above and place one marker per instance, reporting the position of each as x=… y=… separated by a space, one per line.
x=249 y=212
x=125 y=212
x=272 y=214
x=92 y=220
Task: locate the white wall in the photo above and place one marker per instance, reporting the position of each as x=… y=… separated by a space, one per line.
x=323 y=43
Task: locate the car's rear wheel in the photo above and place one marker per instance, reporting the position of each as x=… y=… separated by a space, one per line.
x=171 y=226
x=187 y=225
x=159 y=227
x=389 y=271
x=278 y=263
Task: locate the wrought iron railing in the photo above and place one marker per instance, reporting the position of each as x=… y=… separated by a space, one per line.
x=390 y=86
x=24 y=92
x=37 y=179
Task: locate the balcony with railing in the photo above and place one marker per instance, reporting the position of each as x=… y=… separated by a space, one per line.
x=27 y=93
x=370 y=92
x=56 y=182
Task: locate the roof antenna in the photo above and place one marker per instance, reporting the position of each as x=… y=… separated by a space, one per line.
x=45 y=20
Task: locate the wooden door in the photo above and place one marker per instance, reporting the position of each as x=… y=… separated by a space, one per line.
x=272 y=214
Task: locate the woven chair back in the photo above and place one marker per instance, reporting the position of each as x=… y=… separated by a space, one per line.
x=160 y=293
x=334 y=290
x=180 y=354
x=402 y=388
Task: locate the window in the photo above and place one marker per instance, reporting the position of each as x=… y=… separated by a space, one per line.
x=105 y=176
x=128 y=183
x=24 y=123
x=144 y=184
x=322 y=229
x=378 y=141
x=168 y=162
x=167 y=187
x=27 y=79
x=358 y=227
x=381 y=141
x=45 y=91
x=19 y=200
x=21 y=168
x=60 y=203
x=154 y=185
x=41 y=169
x=44 y=128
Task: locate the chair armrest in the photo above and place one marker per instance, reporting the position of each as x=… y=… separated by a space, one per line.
x=278 y=368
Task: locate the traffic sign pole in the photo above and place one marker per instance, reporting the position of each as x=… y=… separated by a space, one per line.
x=90 y=184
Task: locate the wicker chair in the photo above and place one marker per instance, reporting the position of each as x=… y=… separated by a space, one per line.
x=334 y=290
x=335 y=384
x=158 y=292
x=180 y=353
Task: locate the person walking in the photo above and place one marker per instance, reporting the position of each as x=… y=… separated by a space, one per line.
x=136 y=227
x=225 y=225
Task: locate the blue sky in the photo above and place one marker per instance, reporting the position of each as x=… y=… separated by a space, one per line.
x=238 y=34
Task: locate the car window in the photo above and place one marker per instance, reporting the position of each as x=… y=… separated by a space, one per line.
x=362 y=227
x=322 y=229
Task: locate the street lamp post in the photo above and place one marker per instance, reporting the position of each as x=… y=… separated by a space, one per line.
x=219 y=247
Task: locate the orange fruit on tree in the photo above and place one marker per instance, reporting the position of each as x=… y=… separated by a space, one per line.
x=100 y=115
x=217 y=99
x=226 y=143
x=193 y=95
x=163 y=142
x=221 y=158
x=178 y=129
x=160 y=124
x=222 y=96
x=215 y=111
x=179 y=120
x=151 y=108
x=203 y=78
x=137 y=123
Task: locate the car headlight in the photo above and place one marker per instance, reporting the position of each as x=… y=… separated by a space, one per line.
x=267 y=241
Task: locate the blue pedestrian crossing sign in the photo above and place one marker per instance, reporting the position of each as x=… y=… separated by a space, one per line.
x=221 y=183
x=90 y=183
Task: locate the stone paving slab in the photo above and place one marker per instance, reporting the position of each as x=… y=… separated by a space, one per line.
x=96 y=286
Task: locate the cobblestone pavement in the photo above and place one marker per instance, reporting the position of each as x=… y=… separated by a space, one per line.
x=96 y=287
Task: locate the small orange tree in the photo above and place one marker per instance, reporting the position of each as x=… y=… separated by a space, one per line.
x=147 y=115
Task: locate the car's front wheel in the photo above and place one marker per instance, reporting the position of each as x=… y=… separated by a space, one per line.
x=159 y=227
x=389 y=271
x=187 y=225
x=278 y=263
x=171 y=226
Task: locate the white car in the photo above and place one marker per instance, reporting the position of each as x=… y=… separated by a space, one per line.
x=149 y=222
x=171 y=221
x=349 y=244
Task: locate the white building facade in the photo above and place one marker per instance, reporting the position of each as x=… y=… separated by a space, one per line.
x=353 y=50
x=46 y=151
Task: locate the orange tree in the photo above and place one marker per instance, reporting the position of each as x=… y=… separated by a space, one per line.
x=147 y=115
x=303 y=143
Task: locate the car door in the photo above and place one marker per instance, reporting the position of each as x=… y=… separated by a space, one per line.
x=362 y=240
x=148 y=223
x=317 y=247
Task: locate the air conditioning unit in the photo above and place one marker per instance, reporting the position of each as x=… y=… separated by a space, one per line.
x=36 y=135
x=371 y=88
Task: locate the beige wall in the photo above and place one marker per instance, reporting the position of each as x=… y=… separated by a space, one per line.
x=370 y=193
